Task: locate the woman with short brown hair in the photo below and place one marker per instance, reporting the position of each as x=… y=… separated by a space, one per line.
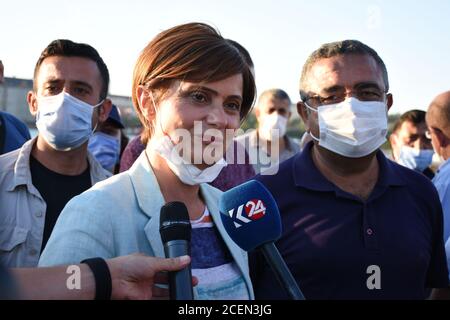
x=191 y=89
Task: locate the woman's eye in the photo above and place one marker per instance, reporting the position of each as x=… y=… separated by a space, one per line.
x=199 y=97
x=233 y=106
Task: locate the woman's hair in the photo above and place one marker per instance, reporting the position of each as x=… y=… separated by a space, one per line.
x=193 y=52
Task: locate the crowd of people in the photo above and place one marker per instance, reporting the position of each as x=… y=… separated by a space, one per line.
x=80 y=194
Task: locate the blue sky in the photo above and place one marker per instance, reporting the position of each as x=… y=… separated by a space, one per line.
x=412 y=38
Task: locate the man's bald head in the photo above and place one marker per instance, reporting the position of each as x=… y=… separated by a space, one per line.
x=438 y=122
x=438 y=114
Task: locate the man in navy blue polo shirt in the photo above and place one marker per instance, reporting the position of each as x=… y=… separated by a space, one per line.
x=355 y=224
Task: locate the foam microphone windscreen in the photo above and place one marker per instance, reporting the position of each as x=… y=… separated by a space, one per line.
x=174 y=222
x=250 y=215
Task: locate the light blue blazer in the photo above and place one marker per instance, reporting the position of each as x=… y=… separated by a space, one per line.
x=120 y=216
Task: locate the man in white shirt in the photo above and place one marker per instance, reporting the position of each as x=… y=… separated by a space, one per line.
x=269 y=145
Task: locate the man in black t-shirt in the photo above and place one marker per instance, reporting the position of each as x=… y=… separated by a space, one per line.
x=69 y=101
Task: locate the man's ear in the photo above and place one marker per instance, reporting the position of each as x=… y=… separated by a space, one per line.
x=32 y=103
x=442 y=139
x=303 y=113
x=105 y=109
x=389 y=100
x=393 y=142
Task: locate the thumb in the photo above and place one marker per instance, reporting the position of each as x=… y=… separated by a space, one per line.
x=169 y=264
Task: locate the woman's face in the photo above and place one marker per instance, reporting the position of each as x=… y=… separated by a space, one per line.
x=203 y=116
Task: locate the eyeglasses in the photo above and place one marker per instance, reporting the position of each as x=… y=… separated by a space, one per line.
x=428 y=134
x=363 y=94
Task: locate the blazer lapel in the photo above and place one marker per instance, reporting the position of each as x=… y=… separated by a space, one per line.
x=150 y=200
x=240 y=257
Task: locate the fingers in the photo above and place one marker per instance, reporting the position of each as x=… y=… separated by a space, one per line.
x=171 y=264
x=194 y=281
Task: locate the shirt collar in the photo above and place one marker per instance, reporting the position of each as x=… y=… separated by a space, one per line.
x=444 y=166
x=22 y=171
x=254 y=141
x=308 y=176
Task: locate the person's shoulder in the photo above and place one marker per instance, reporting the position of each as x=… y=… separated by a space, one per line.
x=11 y=119
x=415 y=182
x=135 y=145
x=279 y=174
x=114 y=183
x=442 y=182
x=107 y=200
x=103 y=191
x=411 y=177
x=443 y=174
x=295 y=144
x=8 y=161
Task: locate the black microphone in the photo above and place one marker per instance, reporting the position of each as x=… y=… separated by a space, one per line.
x=175 y=229
x=250 y=215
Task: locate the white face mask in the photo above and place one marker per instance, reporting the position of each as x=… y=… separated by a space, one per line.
x=64 y=121
x=184 y=170
x=273 y=126
x=352 y=128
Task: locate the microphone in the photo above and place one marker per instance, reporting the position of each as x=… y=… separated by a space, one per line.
x=175 y=230
x=250 y=215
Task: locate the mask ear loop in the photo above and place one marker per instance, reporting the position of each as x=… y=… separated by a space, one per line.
x=158 y=114
x=309 y=132
x=98 y=117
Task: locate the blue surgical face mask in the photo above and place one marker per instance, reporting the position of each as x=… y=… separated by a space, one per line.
x=64 y=121
x=415 y=159
x=106 y=149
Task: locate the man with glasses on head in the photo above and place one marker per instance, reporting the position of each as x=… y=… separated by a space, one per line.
x=355 y=224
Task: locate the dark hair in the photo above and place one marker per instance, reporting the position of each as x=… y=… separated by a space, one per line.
x=333 y=49
x=416 y=117
x=67 y=48
x=193 y=52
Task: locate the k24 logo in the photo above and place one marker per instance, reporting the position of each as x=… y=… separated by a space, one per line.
x=245 y=213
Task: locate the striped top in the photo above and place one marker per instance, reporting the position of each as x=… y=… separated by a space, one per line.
x=218 y=275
